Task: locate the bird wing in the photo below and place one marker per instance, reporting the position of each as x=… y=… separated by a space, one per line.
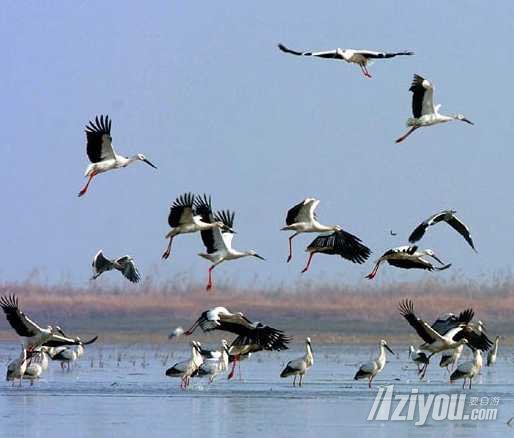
x=263 y=338
x=99 y=140
x=57 y=340
x=101 y=263
x=203 y=207
x=426 y=332
x=342 y=243
x=20 y=322
x=411 y=263
x=181 y=211
x=302 y=212
x=419 y=231
x=215 y=240
x=462 y=229
x=422 y=97
x=379 y=55
x=129 y=268
x=227 y=217
x=476 y=339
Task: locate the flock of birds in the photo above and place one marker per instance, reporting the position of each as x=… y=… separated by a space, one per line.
x=192 y=213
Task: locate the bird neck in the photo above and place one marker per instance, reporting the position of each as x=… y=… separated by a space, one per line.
x=322 y=228
x=478 y=358
x=309 y=357
x=382 y=354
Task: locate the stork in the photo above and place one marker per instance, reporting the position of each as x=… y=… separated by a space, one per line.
x=190 y=213
x=218 y=243
x=302 y=219
x=215 y=362
x=418 y=357
x=353 y=56
x=450 y=357
x=468 y=370
x=408 y=257
x=446 y=334
x=339 y=243
x=251 y=336
x=65 y=355
x=451 y=219
x=17 y=367
x=126 y=265
x=423 y=110
x=187 y=368
x=298 y=367
x=371 y=368
x=36 y=335
x=101 y=153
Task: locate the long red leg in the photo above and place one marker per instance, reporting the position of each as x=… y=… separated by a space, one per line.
x=366 y=72
x=409 y=132
x=234 y=363
x=209 y=282
x=290 y=256
x=168 y=249
x=308 y=263
x=84 y=190
x=372 y=274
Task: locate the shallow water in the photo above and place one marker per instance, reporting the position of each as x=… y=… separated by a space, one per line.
x=122 y=390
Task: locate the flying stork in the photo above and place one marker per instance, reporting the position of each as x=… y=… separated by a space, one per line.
x=340 y=243
x=302 y=219
x=371 y=368
x=125 y=265
x=408 y=257
x=447 y=332
x=187 y=215
x=423 y=110
x=36 y=335
x=101 y=153
x=353 y=56
x=251 y=336
x=218 y=242
x=298 y=367
x=450 y=218
x=469 y=369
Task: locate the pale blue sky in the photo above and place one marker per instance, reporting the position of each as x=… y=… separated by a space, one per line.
x=200 y=88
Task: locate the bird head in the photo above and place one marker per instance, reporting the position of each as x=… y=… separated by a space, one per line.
x=383 y=343
x=224 y=228
x=462 y=118
x=254 y=254
x=430 y=253
x=141 y=157
x=337 y=228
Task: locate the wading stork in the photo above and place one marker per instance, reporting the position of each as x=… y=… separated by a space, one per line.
x=446 y=333
x=302 y=219
x=251 y=336
x=215 y=362
x=101 y=153
x=126 y=265
x=190 y=213
x=418 y=357
x=187 y=368
x=493 y=352
x=450 y=218
x=218 y=242
x=17 y=367
x=371 y=368
x=450 y=357
x=339 y=243
x=469 y=369
x=352 y=56
x=35 y=335
x=408 y=257
x=423 y=110
x=298 y=367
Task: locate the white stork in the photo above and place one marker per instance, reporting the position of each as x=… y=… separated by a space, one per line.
x=187 y=368
x=371 y=368
x=33 y=372
x=17 y=367
x=101 y=153
x=36 y=335
x=298 y=367
x=418 y=357
x=187 y=215
x=423 y=110
x=446 y=334
x=450 y=357
x=408 y=257
x=469 y=369
x=302 y=219
x=353 y=56
x=251 y=336
x=125 y=264
x=493 y=352
x=218 y=242
x=339 y=243
x=215 y=362
x=450 y=218
x=65 y=355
